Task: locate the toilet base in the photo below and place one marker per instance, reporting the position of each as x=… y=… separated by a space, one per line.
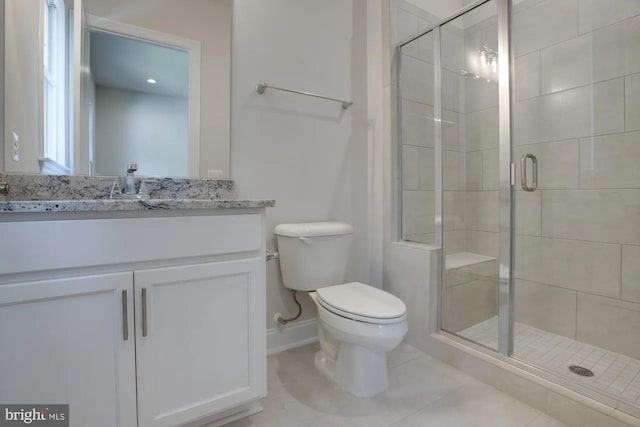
x=325 y=364
x=358 y=370
x=355 y=368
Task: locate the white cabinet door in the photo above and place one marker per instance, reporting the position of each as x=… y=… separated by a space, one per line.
x=204 y=349
x=62 y=341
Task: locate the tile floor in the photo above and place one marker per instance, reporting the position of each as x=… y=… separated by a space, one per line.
x=614 y=373
x=422 y=392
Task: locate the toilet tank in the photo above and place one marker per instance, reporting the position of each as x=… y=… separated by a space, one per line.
x=314 y=255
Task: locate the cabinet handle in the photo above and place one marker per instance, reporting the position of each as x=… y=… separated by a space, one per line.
x=144 y=312
x=125 y=316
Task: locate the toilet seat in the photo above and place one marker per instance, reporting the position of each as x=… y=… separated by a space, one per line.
x=362 y=303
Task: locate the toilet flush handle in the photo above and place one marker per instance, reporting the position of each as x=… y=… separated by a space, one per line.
x=306 y=240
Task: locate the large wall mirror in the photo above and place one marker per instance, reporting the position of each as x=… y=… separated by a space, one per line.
x=92 y=85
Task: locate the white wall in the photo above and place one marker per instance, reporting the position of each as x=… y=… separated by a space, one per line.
x=440 y=8
x=210 y=22
x=21 y=84
x=139 y=127
x=2 y=82
x=309 y=155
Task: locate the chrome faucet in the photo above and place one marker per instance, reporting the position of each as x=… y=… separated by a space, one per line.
x=130 y=186
x=4 y=185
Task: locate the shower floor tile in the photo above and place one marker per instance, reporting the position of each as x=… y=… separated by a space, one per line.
x=614 y=373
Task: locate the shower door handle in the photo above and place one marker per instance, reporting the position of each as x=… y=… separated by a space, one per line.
x=523 y=172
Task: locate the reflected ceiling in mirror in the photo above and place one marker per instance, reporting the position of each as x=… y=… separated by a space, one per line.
x=138 y=66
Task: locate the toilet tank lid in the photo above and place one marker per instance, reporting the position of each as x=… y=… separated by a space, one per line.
x=310 y=229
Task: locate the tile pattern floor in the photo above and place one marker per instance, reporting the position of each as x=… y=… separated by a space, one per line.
x=614 y=373
x=422 y=392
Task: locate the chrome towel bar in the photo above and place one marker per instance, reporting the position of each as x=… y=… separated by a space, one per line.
x=261 y=88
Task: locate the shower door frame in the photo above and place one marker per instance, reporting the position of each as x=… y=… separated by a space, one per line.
x=506 y=166
x=506 y=258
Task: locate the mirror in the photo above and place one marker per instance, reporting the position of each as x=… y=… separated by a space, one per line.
x=97 y=84
x=139 y=108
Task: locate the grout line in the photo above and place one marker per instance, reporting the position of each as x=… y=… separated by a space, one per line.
x=566 y=238
x=580 y=163
x=624 y=102
x=578 y=33
x=587 y=85
x=535 y=418
x=577 y=291
x=539 y=51
x=633 y=380
x=541 y=210
x=482 y=184
x=575 y=138
x=593 y=189
x=578 y=20
x=621 y=272
x=575 y=330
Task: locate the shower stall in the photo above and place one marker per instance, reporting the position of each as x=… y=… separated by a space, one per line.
x=519 y=152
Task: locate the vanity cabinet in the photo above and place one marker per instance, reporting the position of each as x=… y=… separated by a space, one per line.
x=141 y=340
x=198 y=352
x=62 y=342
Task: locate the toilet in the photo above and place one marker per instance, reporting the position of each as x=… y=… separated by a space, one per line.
x=358 y=323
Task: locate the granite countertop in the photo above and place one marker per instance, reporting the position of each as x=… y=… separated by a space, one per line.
x=110 y=205
x=64 y=193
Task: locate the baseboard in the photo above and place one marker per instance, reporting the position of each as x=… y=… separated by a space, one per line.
x=294 y=335
x=230 y=415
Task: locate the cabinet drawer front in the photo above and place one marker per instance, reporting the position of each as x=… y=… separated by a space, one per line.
x=48 y=245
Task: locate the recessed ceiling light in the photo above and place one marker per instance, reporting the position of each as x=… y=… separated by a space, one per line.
x=151 y=81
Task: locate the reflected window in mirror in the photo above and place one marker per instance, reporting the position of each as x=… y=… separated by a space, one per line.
x=54 y=86
x=37 y=91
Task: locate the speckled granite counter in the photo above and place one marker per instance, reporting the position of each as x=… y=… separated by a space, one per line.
x=80 y=187
x=62 y=193
x=109 y=205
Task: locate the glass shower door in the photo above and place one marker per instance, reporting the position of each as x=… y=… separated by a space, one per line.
x=448 y=157
x=452 y=91
x=470 y=178
x=576 y=131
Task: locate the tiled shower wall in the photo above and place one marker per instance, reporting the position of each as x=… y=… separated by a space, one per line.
x=416 y=88
x=578 y=109
x=416 y=103
x=577 y=92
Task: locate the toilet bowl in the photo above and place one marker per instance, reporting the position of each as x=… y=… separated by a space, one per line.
x=358 y=323
x=354 y=344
